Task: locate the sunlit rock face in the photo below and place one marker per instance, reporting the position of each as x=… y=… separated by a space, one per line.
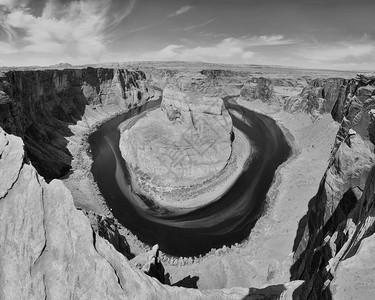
x=187 y=139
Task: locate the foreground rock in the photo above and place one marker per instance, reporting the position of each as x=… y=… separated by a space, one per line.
x=49 y=251
x=107 y=228
x=150 y=264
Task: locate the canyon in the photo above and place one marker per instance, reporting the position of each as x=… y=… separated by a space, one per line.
x=313 y=239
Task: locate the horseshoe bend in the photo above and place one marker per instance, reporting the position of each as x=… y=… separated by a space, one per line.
x=186 y=153
x=186 y=182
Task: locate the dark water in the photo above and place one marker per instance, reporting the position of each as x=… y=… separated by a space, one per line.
x=225 y=222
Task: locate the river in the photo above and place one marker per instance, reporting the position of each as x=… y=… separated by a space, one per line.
x=227 y=221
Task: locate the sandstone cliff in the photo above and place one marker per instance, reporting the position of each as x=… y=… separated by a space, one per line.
x=39 y=106
x=339 y=218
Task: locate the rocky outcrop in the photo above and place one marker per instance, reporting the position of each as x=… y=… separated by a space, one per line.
x=356 y=107
x=49 y=251
x=262 y=90
x=319 y=97
x=187 y=140
x=343 y=98
x=371 y=126
x=150 y=264
x=216 y=83
x=340 y=216
x=107 y=228
x=39 y=106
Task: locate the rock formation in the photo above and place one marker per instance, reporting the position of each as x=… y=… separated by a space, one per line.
x=262 y=89
x=187 y=141
x=108 y=229
x=150 y=264
x=216 y=83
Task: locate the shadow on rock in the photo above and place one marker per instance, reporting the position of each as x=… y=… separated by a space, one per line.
x=188 y=282
x=271 y=292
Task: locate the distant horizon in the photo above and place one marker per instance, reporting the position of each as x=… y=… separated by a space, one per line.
x=182 y=61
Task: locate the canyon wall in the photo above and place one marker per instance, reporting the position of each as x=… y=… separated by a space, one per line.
x=39 y=106
x=339 y=221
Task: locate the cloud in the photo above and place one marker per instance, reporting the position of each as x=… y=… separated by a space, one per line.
x=267 y=40
x=180 y=11
x=341 y=51
x=74 y=31
x=228 y=50
x=199 y=25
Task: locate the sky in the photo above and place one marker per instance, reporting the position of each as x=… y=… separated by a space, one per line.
x=321 y=34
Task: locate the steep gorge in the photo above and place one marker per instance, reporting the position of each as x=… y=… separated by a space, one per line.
x=334 y=238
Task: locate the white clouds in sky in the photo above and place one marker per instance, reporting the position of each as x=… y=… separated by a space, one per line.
x=78 y=31
x=340 y=51
x=192 y=27
x=180 y=11
x=73 y=31
x=353 y=54
x=228 y=50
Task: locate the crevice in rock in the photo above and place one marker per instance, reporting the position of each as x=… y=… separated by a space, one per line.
x=13 y=183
